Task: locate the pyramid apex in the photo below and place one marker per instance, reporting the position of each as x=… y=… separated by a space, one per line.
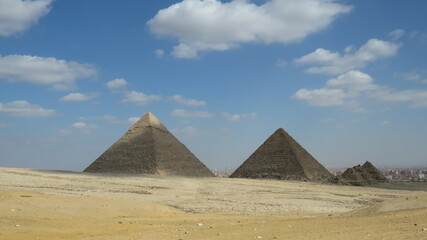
x=280 y=130
x=148 y=120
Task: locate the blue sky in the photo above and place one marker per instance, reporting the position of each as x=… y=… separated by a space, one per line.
x=347 y=79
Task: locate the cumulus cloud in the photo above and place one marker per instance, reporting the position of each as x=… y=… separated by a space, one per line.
x=79 y=127
x=237 y=117
x=18 y=15
x=187 y=114
x=60 y=74
x=23 y=108
x=140 y=98
x=397 y=34
x=210 y=25
x=353 y=81
x=337 y=63
x=117 y=83
x=187 y=101
x=78 y=97
x=321 y=97
x=344 y=90
x=349 y=89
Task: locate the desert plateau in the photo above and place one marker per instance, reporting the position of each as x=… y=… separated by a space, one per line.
x=39 y=205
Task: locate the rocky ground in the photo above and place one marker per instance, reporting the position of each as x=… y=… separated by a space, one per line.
x=42 y=205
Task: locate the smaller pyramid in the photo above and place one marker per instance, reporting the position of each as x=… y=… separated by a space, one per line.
x=149 y=148
x=364 y=175
x=281 y=157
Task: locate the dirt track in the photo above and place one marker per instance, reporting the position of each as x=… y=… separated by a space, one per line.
x=60 y=205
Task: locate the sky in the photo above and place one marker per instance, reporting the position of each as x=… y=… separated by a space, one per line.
x=347 y=79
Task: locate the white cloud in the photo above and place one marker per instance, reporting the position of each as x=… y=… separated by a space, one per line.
x=397 y=34
x=117 y=83
x=237 y=117
x=210 y=25
x=78 y=97
x=187 y=114
x=349 y=89
x=23 y=108
x=4 y=125
x=321 y=97
x=353 y=81
x=344 y=90
x=17 y=15
x=140 y=98
x=133 y=120
x=231 y=117
x=280 y=63
x=159 y=53
x=44 y=71
x=187 y=101
x=417 y=98
x=79 y=127
x=336 y=63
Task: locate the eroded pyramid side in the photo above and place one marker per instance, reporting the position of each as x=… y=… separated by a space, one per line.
x=364 y=175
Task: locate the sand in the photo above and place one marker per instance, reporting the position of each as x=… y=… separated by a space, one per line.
x=43 y=205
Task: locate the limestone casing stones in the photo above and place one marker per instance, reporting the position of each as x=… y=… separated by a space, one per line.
x=149 y=148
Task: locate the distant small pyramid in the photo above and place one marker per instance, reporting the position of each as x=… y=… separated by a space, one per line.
x=149 y=148
x=281 y=157
x=367 y=174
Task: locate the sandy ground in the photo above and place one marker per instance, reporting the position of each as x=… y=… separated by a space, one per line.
x=43 y=205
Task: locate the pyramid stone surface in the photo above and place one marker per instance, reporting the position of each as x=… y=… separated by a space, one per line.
x=281 y=157
x=364 y=175
x=149 y=148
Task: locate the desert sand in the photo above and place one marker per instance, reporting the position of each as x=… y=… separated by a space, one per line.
x=37 y=204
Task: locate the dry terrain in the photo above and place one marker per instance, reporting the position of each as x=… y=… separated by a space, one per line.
x=37 y=204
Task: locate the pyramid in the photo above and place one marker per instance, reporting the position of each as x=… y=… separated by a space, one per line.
x=281 y=157
x=149 y=148
x=367 y=174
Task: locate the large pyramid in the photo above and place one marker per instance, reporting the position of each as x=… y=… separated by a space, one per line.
x=281 y=157
x=148 y=147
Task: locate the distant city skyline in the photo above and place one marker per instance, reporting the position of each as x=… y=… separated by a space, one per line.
x=346 y=79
